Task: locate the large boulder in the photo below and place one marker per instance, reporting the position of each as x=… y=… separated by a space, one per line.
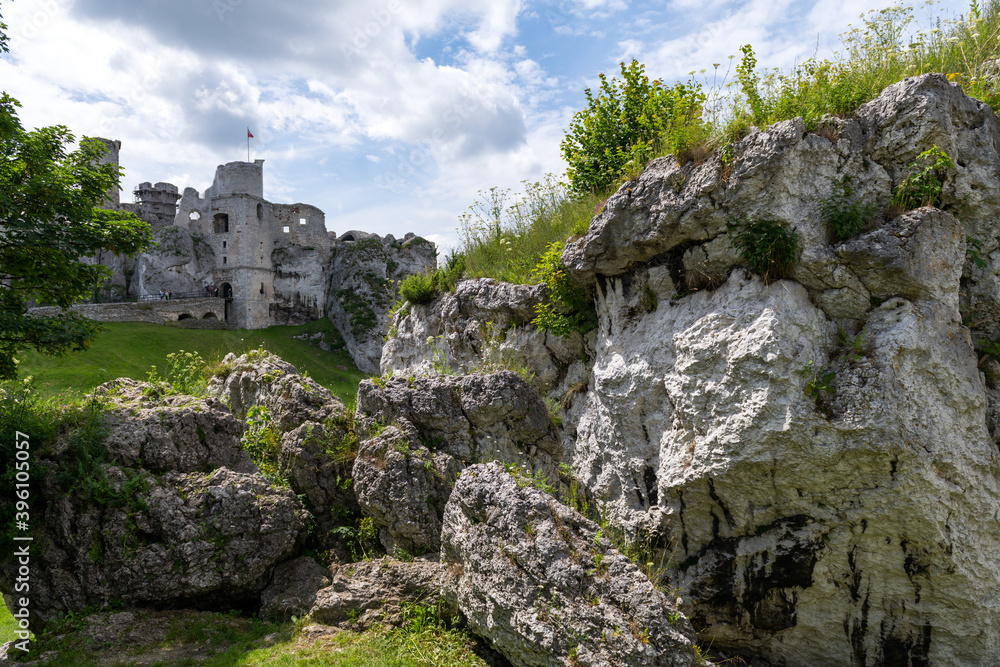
x=318 y=442
x=153 y=503
x=441 y=424
x=817 y=447
x=293 y=588
x=403 y=487
x=374 y=592
x=160 y=432
x=537 y=579
x=365 y=273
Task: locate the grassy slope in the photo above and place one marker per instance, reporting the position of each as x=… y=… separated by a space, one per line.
x=128 y=349
x=221 y=640
x=7 y=625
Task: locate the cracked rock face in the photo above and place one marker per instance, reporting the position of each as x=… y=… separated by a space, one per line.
x=484 y=322
x=536 y=579
x=311 y=422
x=179 y=515
x=819 y=449
x=439 y=425
x=373 y=592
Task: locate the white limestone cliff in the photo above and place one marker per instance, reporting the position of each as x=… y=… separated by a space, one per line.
x=817 y=449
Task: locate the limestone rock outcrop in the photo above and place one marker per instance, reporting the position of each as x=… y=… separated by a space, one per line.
x=314 y=426
x=817 y=449
x=152 y=513
x=439 y=425
x=537 y=580
x=484 y=325
x=403 y=486
x=293 y=588
x=365 y=274
x=851 y=391
x=373 y=592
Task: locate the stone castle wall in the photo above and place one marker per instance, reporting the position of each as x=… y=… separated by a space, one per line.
x=155 y=312
x=276 y=261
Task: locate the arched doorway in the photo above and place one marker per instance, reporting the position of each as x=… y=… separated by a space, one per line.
x=226 y=292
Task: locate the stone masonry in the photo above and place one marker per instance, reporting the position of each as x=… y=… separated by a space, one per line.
x=271 y=263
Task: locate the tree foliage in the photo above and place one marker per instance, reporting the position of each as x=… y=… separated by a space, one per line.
x=624 y=125
x=50 y=222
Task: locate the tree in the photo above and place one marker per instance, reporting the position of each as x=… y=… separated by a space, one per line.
x=625 y=123
x=50 y=222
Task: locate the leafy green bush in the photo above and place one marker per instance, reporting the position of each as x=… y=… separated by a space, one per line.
x=622 y=125
x=843 y=212
x=451 y=272
x=923 y=186
x=767 y=246
x=419 y=288
x=570 y=307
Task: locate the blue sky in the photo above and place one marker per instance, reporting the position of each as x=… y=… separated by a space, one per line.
x=389 y=115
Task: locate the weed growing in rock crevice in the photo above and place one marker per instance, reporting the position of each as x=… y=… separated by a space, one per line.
x=819 y=384
x=844 y=212
x=360 y=536
x=923 y=185
x=767 y=246
x=648 y=550
x=262 y=442
x=570 y=308
x=185 y=374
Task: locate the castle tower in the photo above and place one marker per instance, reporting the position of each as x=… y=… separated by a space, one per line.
x=156 y=204
x=241 y=223
x=114 y=148
x=238 y=178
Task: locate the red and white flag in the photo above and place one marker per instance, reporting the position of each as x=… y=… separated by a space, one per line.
x=249 y=136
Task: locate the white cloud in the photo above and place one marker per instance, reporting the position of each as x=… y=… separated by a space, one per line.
x=390 y=115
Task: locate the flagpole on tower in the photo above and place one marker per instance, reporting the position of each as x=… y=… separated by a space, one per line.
x=249 y=137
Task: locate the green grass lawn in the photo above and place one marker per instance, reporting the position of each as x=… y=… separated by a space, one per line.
x=179 y=638
x=7 y=625
x=129 y=349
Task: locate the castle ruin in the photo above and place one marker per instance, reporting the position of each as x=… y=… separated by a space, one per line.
x=271 y=263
